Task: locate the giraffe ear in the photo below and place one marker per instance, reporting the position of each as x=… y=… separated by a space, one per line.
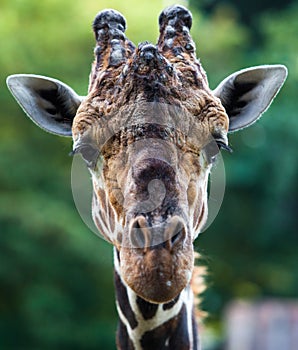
x=248 y=93
x=48 y=102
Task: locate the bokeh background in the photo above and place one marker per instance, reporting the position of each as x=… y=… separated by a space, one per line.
x=56 y=285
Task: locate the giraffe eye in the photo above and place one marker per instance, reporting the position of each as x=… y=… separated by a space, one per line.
x=89 y=153
x=222 y=145
x=212 y=149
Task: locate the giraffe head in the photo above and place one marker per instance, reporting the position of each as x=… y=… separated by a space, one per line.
x=149 y=130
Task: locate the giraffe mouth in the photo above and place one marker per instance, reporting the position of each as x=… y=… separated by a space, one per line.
x=157 y=262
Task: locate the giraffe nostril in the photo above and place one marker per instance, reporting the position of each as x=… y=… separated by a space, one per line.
x=175 y=232
x=139 y=233
x=175 y=238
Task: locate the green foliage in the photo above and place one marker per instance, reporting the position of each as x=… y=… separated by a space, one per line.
x=221 y=41
x=248 y=11
x=56 y=289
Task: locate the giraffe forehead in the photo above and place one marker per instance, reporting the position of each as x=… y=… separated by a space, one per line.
x=112 y=125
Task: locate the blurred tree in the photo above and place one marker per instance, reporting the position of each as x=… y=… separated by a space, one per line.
x=248 y=11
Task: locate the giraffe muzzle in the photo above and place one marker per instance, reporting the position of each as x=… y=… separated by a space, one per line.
x=158 y=273
x=156 y=262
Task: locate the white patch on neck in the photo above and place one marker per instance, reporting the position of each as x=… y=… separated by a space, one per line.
x=137 y=344
x=189 y=304
x=144 y=326
x=116 y=264
x=167 y=342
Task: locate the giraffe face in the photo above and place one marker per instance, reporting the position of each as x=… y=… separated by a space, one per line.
x=148 y=130
x=150 y=195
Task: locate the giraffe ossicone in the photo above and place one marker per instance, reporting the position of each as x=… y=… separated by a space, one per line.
x=149 y=131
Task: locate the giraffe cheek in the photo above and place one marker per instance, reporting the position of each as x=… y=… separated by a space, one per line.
x=191 y=193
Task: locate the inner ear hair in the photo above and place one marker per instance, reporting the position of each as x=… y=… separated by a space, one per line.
x=247 y=94
x=48 y=102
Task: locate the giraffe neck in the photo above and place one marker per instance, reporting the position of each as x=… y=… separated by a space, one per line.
x=146 y=326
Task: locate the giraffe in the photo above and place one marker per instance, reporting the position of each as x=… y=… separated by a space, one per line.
x=149 y=131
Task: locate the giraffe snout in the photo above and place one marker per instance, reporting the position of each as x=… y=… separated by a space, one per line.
x=157 y=261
